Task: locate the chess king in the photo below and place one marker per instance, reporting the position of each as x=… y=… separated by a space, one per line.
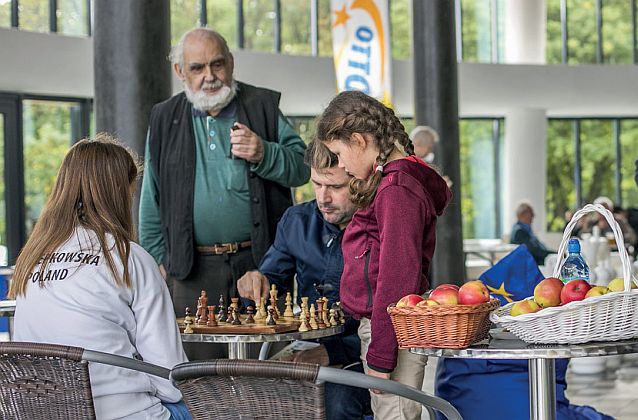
x=308 y=245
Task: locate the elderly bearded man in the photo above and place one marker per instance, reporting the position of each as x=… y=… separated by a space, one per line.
x=220 y=162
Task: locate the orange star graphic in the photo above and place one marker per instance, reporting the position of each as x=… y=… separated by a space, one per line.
x=341 y=17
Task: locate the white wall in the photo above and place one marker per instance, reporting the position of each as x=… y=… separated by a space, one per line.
x=59 y=65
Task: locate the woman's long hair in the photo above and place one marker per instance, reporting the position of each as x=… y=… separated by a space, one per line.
x=355 y=112
x=92 y=190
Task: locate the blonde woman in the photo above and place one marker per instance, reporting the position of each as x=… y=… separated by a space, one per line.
x=81 y=280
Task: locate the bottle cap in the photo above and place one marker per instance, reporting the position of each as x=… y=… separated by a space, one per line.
x=573 y=245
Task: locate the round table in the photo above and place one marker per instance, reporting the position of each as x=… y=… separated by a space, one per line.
x=238 y=343
x=542 y=370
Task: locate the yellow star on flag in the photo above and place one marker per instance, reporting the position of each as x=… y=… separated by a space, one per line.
x=501 y=291
x=341 y=17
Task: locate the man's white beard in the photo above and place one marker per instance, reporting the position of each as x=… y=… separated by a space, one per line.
x=207 y=103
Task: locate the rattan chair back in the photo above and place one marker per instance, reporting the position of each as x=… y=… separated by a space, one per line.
x=250 y=389
x=44 y=382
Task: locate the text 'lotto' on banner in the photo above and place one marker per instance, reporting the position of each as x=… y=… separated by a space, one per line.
x=361 y=45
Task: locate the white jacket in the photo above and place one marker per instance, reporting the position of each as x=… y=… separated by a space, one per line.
x=80 y=305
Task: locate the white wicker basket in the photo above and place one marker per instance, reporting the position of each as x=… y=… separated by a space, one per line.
x=609 y=317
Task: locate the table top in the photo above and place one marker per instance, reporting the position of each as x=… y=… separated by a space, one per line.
x=262 y=338
x=494 y=348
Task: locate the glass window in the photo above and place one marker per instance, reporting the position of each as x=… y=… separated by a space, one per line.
x=477 y=33
x=72 y=17
x=5 y=13
x=47 y=137
x=581 y=30
x=259 y=17
x=305 y=126
x=561 y=158
x=184 y=16
x=597 y=160
x=325 y=28
x=222 y=17
x=629 y=154
x=401 y=29
x=33 y=15
x=478 y=189
x=554 y=44
x=617 y=31
x=295 y=27
x=3 y=204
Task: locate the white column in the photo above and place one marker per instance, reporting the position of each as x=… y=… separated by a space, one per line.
x=525 y=27
x=525 y=165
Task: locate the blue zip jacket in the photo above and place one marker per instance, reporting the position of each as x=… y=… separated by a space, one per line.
x=310 y=247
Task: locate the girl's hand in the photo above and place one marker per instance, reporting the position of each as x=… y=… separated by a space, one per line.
x=377 y=374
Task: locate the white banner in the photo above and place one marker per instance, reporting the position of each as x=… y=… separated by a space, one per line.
x=361 y=46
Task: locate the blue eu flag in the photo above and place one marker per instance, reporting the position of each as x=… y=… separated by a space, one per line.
x=513 y=277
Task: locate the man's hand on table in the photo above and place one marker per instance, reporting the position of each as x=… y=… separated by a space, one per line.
x=253 y=285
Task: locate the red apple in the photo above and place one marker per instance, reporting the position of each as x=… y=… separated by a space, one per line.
x=427 y=302
x=574 y=290
x=447 y=296
x=526 y=306
x=409 y=300
x=473 y=292
x=547 y=292
x=447 y=286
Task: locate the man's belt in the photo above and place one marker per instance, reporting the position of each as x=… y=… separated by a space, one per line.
x=219 y=249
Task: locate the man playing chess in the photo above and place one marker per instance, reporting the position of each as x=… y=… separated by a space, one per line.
x=308 y=245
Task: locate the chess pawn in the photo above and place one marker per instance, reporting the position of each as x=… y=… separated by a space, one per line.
x=271 y=316
x=203 y=316
x=313 y=318
x=303 y=327
x=333 y=320
x=221 y=315
x=249 y=315
x=260 y=313
x=188 y=321
x=320 y=321
x=236 y=320
x=212 y=321
x=288 y=311
x=229 y=314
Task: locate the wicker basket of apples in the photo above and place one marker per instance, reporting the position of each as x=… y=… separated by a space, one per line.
x=450 y=317
x=576 y=313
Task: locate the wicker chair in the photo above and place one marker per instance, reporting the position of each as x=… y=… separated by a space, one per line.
x=51 y=382
x=249 y=389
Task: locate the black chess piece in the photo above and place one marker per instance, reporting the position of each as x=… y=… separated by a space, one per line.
x=249 y=313
x=222 y=310
x=235 y=315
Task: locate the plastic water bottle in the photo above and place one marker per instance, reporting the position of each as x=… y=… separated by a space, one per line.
x=574 y=267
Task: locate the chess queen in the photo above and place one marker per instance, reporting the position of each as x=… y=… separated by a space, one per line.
x=96 y=287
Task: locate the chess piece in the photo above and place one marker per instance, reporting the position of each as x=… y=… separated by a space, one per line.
x=249 y=315
x=273 y=300
x=333 y=320
x=202 y=303
x=222 y=310
x=229 y=314
x=235 y=303
x=304 y=303
x=212 y=321
x=320 y=320
x=271 y=316
x=235 y=313
x=188 y=321
x=313 y=318
x=303 y=327
x=288 y=311
x=342 y=315
x=336 y=309
x=203 y=316
x=260 y=315
x=326 y=318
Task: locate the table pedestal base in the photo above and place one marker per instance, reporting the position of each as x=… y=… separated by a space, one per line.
x=238 y=350
x=542 y=389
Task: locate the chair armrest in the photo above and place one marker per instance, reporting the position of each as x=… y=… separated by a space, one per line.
x=125 y=362
x=360 y=380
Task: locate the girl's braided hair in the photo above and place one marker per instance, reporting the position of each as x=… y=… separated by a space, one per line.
x=355 y=112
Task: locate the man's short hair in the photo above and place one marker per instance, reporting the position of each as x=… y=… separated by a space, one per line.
x=177 y=51
x=424 y=134
x=523 y=207
x=319 y=157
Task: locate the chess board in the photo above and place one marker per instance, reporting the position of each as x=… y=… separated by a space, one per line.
x=283 y=325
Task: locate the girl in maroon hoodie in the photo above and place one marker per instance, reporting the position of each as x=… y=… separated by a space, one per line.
x=388 y=245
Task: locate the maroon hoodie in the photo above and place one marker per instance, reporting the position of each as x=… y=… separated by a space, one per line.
x=388 y=248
